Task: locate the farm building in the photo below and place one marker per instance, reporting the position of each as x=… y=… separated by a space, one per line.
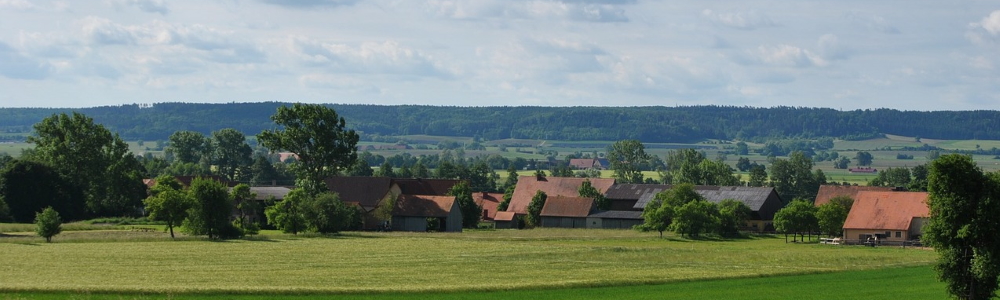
x=764 y=202
x=369 y=193
x=588 y=163
x=423 y=213
x=625 y=196
x=507 y=220
x=566 y=212
x=888 y=216
x=527 y=186
x=827 y=192
x=488 y=202
x=615 y=219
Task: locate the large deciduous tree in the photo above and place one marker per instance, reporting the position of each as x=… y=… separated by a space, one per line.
x=287 y=215
x=793 y=178
x=625 y=157
x=326 y=213
x=732 y=215
x=471 y=212
x=798 y=217
x=830 y=217
x=317 y=135
x=660 y=212
x=534 y=216
x=188 y=146
x=965 y=214
x=210 y=210
x=696 y=217
x=232 y=154
x=92 y=159
x=29 y=186
x=864 y=158
x=168 y=202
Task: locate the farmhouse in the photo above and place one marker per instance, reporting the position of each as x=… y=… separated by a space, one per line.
x=827 y=192
x=507 y=220
x=566 y=212
x=887 y=216
x=527 y=186
x=588 y=163
x=764 y=202
x=488 y=202
x=423 y=213
x=369 y=193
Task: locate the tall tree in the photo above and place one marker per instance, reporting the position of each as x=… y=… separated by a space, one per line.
x=660 y=212
x=188 y=146
x=793 y=178
x=831 y=216
x=758 y=176
x=864 y=158
x=29 y=186
x=965 y=214
x=385 y=171
x=210 y=210
x=168 y=202
x=507 y=195
x=246 y=208
x=317 y=135
x=732 y=216
x=511 y=179
x=625 y=157
x=232 y=153
x=534 y=218
x=695 y=217
x=588 y=190
x=93 y=159
x=471 y=212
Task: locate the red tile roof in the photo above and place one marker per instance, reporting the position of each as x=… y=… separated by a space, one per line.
x=527 y=186
x=559 y=206
x=886 y=210
x=489 y=202
x=582 y=163
x=827 y=192
x=504 y=216
x=423 y=206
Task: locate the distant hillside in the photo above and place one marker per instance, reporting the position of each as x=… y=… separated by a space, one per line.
x=648 y=124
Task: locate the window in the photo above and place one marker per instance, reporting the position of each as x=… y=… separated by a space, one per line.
x=899 y=234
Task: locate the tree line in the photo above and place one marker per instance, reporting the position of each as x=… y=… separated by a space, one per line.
x=647 y=124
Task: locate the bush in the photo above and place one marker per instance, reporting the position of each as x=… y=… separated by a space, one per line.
x=48 y=224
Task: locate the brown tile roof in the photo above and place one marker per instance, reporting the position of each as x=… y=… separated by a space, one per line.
x=582 y=163
x=558 y=206
x=827 y=192
x=527 y=186
x=886 y=210
x=504 y=216
x=489 y=202
x=420 y=186
x=423 y=206
x=366 y=191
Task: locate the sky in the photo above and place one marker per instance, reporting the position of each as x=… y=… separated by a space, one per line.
x=908 y=55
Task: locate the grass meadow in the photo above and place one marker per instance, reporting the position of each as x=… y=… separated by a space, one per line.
x=362 y=264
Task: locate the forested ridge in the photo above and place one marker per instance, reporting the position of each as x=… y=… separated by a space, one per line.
x=648 y=124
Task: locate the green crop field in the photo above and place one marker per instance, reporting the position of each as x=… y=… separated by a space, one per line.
x=148 y=262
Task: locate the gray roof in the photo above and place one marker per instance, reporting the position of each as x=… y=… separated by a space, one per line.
x=633 y=191
x=617 y=214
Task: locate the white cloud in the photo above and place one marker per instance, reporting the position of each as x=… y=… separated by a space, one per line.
x=990 y=23
x=786 y=56
x=308 y=4
x=19 y=66
x=582 y=11
x=206 y=42
x=16 y=4
x=830 y=47
x=747 y=20
x=388 y=57
x=149 y=6
x=871 y=22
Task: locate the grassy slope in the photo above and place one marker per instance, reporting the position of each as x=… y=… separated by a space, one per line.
x=387 y=262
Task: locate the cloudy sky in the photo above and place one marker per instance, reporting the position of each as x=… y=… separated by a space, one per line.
x=913 y=55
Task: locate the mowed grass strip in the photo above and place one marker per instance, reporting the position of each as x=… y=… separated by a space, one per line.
x=913 y=283
x=419 y=262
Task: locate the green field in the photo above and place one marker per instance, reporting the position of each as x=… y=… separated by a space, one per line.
x=398 y=262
